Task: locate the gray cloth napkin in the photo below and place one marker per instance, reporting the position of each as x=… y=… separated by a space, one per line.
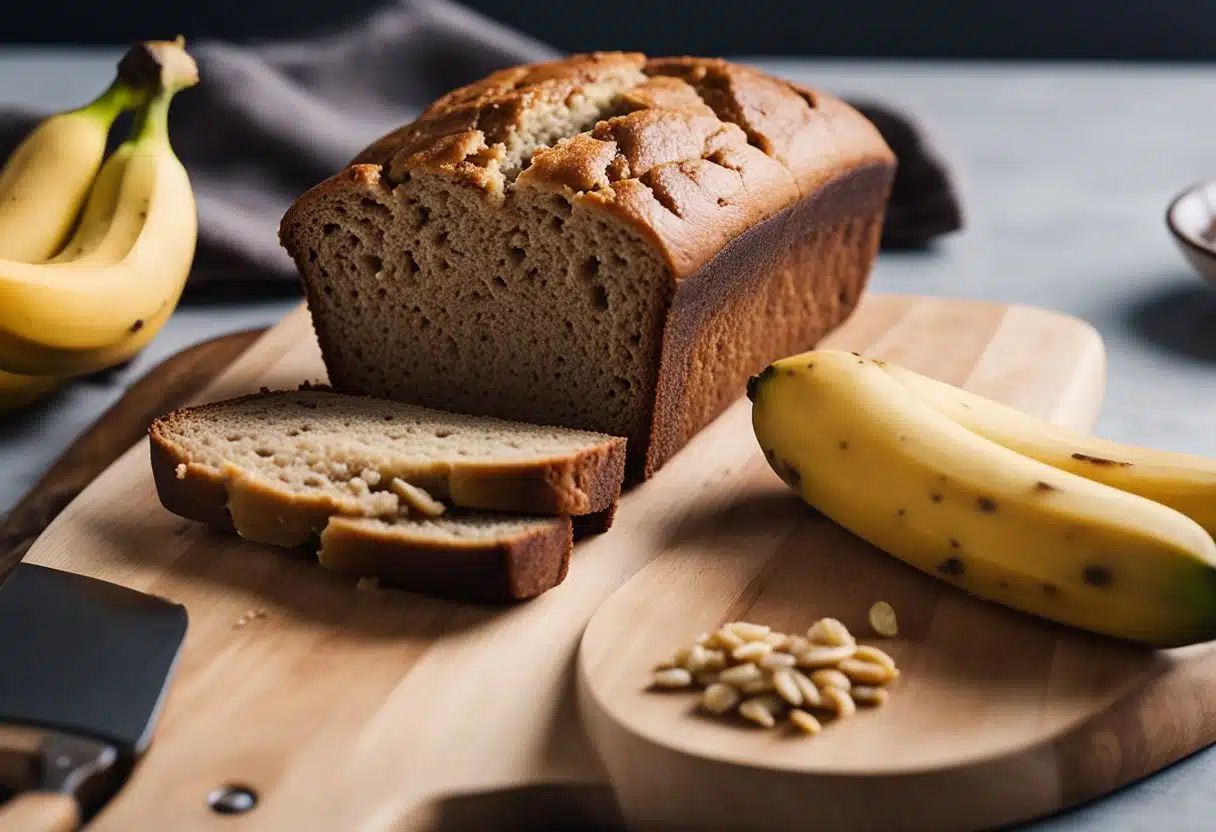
x=271 y=119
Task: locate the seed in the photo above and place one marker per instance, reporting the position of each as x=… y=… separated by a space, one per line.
x=762 y=685
x=787 y=688
x=840 y=701
x=707 y=677
x=829 y=631
x=825 y=656
x=748 y=631
x=703 y=639
x=795 y=645
x=865 y=673
x=740 y=674
x=831 y=678
x=806 y=723
x=714 y=660
x=882 y=619
x=867 y=695
x=727 y=639
x=777 y=640
x=771 y=704
x=775 y=660
x=695 y=662
x=680 y=657
x=810 y=694
x=719 y=698
x=750 y=651
x=673 y=677
x=866 y=653
x=757 y=713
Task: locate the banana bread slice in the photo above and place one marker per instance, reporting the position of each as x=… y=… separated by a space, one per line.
x=607 y=242
x=414 y=496
x=354 y=455
x=466 y=556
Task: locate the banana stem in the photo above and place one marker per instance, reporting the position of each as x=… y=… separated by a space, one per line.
x=174 y=71
x=117 y=98
x=159 y=66
x=146 y=70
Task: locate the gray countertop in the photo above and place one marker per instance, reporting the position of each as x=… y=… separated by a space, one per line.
x=1065 y=172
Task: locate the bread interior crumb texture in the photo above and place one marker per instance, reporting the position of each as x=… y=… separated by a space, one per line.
x=347 y=450
x=546 y=310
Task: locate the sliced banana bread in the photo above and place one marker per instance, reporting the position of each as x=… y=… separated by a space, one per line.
x=471 y=557
x=606 y=242
x=415 y=496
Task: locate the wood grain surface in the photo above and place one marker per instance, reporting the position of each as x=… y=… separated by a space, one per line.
x=346 y=709
x=998 y=717
x=168 y=385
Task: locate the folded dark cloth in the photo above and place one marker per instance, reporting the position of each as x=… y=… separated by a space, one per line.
x=272 y=119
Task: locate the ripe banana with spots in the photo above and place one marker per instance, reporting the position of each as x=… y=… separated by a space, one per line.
x=1184 y=482
x=869 y=454
x=119 y=277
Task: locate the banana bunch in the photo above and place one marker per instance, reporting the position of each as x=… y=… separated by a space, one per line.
x=94 y=251
x=1013 y=509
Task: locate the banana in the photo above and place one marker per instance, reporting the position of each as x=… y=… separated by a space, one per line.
x=1184 y=482
x=43 y=183
x=865 y=451
x=120 y=277
x=46 y=178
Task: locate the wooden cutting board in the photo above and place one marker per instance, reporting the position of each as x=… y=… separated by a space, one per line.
x=348 y=709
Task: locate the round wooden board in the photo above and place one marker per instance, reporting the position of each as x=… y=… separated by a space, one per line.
x=998 y=717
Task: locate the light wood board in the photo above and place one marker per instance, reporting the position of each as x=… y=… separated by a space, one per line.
x=348 y=709
x=997 y=717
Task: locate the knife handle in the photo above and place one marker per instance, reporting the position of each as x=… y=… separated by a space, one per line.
x=48 y=772
x=40 y=812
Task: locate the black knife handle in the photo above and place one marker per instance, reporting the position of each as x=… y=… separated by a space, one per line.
x=57 y=766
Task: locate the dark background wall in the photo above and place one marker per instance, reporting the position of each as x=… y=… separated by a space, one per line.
x=1173 y=30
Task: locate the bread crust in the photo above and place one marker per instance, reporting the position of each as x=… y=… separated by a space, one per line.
x=706 y=150
x=764 y=198
x=490 y=571
x=496 y=572
x=581 y=483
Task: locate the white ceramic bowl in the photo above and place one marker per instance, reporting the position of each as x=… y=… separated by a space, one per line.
x=1191 y=218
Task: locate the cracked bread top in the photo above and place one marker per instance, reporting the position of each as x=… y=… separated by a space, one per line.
x=690 y=151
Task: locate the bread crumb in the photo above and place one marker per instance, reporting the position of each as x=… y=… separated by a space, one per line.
x=368 y=583
x=370 y=476
x=180 y=470
x=250 y=615
x=417 y=499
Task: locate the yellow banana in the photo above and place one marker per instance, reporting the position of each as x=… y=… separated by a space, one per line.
x=1184 y=482
x=124 y=270
x=862 y=449
x=100 y=210
x=43 y=183
x=45 y=180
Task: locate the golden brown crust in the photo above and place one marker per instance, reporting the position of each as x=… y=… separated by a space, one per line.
x=765 y=199
x=490 y=572
x=701 y=150
x=773 y=291
x=497 y=104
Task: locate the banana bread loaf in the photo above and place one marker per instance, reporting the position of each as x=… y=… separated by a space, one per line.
x=606 y=242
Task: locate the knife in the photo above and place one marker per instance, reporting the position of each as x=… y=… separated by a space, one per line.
x=84 y=666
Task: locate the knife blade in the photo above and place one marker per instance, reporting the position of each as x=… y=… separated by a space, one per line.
x=84 y=668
